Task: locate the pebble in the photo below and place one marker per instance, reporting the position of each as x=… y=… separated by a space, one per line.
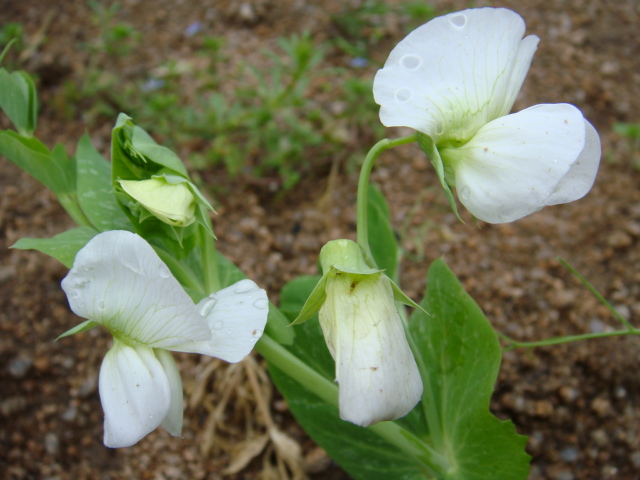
x=51 y=443
x=600 y=437
x=18 y=367
x=569 y=454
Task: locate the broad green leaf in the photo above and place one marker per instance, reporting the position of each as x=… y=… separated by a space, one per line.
x=459 y=357
x=382 y=239
x=360 y=451
x=62 y=247
x=95 y=193
x=34 y=158
x=18 y=100
x=428 y=147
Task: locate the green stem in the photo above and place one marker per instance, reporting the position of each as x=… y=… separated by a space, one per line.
x=513 y=344
x=363 y=190
x=327 y=390
x=209 y=261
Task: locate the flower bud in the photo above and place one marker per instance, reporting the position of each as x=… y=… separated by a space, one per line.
x=173 y=203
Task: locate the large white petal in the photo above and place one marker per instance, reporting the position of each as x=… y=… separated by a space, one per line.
x=236 y=316
x=135 y=394
x=118 y=280
x=456 y=73
x=580 y=177
x=513 y=165
x=377 y=375
x=172 y=423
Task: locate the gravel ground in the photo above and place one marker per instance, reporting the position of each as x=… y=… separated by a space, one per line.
x=578 y=403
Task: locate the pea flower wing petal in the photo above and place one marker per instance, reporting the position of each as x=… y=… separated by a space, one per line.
x=513 y=165
x=236 y=317
x=135 y=392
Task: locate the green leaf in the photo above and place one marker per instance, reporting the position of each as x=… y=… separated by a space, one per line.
x=459 y=357
x=95 y=193
x=18 y=100
x=428 y=147
x=361 y=452
x=62 y=247
x=382 y=239
x=34 y=158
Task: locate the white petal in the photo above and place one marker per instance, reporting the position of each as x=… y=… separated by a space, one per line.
x=118 y=280
x=375 y=369
x=456 y=73
x=135 y=394
x=514 y=164
x=236 y=316
x=172 y=423
x=580 y=177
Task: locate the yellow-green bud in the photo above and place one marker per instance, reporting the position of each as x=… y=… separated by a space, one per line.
x=174 y=204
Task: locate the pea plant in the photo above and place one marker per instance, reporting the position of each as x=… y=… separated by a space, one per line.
x=389 y=386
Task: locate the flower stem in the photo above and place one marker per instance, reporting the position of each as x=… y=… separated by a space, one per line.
x=513 y=344
x=209 y=261
x=429 y=459
x=363 y=190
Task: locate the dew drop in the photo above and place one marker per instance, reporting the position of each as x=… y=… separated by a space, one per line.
x=403 y=95
x=101 y=305
x=410 y=61
x=261 y=303
x=219 y=325
x=465 y=193
x=163 y=271
x=245 y=286
x=458 y=21
x=207 y=306
x=73 y=294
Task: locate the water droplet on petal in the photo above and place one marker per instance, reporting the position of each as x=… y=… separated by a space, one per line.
x=207 y=306
x=261 y=303
x=458 y=21
x=163 y=271
x=219 y=325
x=101 y=305
x=403 y=95
x=410 y=61
x=465 y=193
x=245 y=286
x=73 y=293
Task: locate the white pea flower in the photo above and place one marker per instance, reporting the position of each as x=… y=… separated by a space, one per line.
x=376 y=372
x=454 y=80
x=118 y=281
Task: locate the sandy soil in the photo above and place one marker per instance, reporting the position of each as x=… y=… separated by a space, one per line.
x=578 y=403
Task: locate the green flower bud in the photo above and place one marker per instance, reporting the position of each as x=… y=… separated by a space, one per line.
x=174 y=204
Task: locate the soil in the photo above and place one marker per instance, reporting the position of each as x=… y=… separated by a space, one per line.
x=577 y=403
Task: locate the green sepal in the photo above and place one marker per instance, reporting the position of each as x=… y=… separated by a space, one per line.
x=83 y=327
x=314 y=302
x=428 y=147
x=137 y=156
x=400 y=296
